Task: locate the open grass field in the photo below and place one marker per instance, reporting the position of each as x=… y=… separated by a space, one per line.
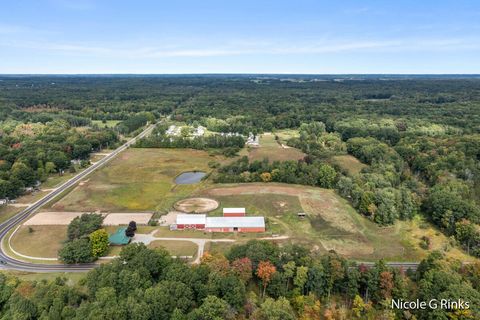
x=56 y=179
x=32 y=197
x=8 y=211
x=39 y=241
x=331 y=223
x=72 y=277
x=138 y=180
x=271 y=149
x=286 y=134
x=176 y=248
x=107 y=124
x=349 y=163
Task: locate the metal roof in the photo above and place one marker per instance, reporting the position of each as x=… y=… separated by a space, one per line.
x=191 y=218
x=233 y=210
x=119 y=237
x=235 y=222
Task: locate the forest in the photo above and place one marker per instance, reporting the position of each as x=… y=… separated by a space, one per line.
x=256 y=280
x=419 y=138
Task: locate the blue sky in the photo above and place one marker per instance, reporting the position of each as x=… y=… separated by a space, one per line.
x=230 y=36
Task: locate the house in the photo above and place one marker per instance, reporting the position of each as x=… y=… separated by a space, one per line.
x=3 y=202
x=253 y=140
x=234 y=212
x=235 y=224
x=191 y=221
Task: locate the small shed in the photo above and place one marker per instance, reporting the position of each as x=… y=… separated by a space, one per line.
x=119 y=237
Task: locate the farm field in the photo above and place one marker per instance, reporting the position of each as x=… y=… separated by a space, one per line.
x=137 y=180
x=271 y=149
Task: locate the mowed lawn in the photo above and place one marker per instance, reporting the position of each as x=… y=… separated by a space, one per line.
x=349 y=163
x=176 y=248
x=137 y=180
x=271 y=149
x=39 y=241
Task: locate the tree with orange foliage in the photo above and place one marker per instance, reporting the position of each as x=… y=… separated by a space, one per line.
x=265 y=271
x=386 y=284
x=217 y=263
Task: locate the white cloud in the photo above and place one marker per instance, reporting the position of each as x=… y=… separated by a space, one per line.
x=245 y=47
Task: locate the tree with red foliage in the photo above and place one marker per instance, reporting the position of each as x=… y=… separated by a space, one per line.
x=242 y=268
x=265 y=271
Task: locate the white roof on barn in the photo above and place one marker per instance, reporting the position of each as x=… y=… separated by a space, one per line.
x=233 y=210
x=235 y=222
x=191 y=218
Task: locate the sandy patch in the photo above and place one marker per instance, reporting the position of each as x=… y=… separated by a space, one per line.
x=64 y=218
x=169 y=218
x=115 y=219
x=196 y=205
x=53 y=218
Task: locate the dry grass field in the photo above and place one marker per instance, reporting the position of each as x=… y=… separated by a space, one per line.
x=39 y=241
x=271 y=149
x=138 y=180
x=331 y=223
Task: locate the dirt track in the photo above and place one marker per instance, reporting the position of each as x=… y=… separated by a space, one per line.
x=197 y=205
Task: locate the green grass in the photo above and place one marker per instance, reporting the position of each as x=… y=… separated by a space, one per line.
x=108 y=124
x=331 y=224
x=32 y=197
x=219 y=247
x=7 y=212
x=269 y=148
x=72 y=277
x=349 y=163
x=138 y=180
x=176 y=248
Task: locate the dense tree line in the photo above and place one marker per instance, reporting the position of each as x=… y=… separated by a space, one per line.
x=257 y=280
x=298 y=172
x=30 y=152
x=86 y=241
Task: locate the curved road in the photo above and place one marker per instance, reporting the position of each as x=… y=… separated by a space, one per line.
x=14 y=264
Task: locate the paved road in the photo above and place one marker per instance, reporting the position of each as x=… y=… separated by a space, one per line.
x=5 y=227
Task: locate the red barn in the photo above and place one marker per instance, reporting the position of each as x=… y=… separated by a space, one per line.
x=234 y=212
x=235 y=224
x=191 y=221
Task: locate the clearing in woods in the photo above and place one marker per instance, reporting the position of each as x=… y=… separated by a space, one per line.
x=273 y=150
x=349 y=163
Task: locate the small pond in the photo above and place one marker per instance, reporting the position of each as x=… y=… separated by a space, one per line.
x=190 y=177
